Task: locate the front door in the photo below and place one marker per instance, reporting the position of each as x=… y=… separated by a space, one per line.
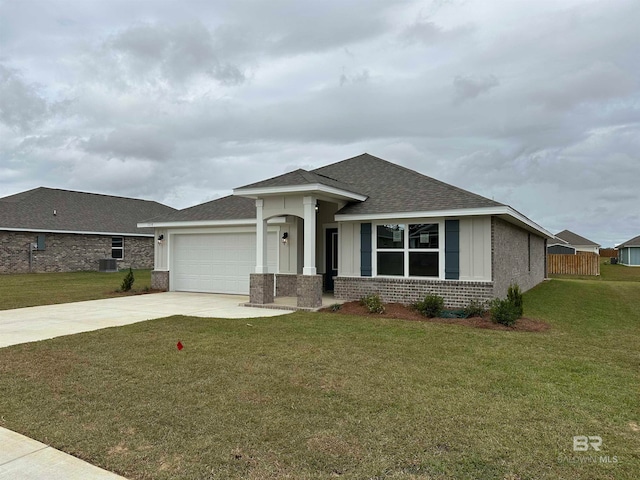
x=331 y=247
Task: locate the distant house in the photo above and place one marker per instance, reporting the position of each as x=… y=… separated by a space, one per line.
x=558 y=246
x=629 y=252
x=580 y=244
x=52 y=230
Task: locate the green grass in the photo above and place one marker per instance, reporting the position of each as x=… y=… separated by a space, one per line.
x=32 y=289
x=315 y=396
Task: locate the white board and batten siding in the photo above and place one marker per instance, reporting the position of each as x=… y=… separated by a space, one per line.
x=217 y=262
x=475 y=249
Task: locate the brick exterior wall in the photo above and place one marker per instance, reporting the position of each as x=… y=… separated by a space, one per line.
x=511 y=261
x=286 y=285
x=69 y=252
x=410 y=290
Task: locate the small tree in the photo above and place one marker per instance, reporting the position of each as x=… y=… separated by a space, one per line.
x=127 y=281
x=373 y=302
x=514 y=295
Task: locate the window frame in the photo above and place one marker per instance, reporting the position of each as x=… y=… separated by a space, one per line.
x=406 y=251
x=117 y=248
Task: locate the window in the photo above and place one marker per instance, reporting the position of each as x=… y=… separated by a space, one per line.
x=408 y=250
x=117 y=247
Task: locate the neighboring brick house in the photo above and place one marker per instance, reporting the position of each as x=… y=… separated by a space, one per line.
x=359 y=226
x=52 y=230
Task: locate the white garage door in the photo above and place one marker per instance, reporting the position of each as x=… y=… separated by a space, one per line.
x=217 y=263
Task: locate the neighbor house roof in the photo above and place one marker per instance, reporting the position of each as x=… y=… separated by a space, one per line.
x=557 y=241
x=53 y=210
x=575 y=239
x=634 y=242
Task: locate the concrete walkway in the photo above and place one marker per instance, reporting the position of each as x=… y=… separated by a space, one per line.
x=27 y=459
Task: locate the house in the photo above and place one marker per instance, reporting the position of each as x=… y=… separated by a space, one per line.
x=557 y=246
x=629 y=252
x=580 y=244
x=53 y=230
x=359 y=226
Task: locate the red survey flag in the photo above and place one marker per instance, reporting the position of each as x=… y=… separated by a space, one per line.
x=179 y=345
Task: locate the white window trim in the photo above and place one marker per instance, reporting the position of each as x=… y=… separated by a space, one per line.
x=405 y=250
x=117 y=248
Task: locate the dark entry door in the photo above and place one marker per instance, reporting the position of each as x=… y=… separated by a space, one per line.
x=331 y=246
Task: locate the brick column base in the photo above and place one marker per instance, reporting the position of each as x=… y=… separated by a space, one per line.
x=160 y=280
x=261 y=288
x=309 y=291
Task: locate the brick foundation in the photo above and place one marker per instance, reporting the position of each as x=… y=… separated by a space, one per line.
x=261 y=288
x=309 y=291
x=286 y=285
x=410 y=290
x=160 y=280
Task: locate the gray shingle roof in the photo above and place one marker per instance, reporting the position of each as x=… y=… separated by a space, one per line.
x=389 y=188
x=575 y=239
x=634 y=242
x=392 y=188
x=225 y=208
x=300 y=177
x=77 y=212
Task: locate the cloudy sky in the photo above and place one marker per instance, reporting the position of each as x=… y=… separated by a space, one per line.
x=533 y=103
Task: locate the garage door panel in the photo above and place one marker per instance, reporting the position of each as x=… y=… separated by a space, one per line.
x=217 y=263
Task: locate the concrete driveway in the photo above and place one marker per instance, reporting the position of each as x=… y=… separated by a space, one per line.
x=39 y=323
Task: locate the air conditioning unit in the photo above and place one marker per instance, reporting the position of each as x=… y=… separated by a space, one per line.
x=108 y=265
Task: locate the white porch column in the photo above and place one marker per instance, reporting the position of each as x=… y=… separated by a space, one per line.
x=309 y=267
x=261 y=238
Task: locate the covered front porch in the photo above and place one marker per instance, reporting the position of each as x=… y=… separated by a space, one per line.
x=308 y=242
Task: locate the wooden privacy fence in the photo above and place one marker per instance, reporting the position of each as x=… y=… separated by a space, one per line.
x=560 y=264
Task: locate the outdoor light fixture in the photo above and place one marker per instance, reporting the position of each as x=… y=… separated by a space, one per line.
x=160 y=238
x=317 y=208
x=285 y=235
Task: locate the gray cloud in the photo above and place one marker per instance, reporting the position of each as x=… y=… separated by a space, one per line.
x=20 y=104
x=469 y=87
x=175 y=53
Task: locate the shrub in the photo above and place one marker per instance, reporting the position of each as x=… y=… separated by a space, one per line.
x=373 y=302
x=431 y=306
x=127 y=281
x=476 y=308
x=504 y=312
x=335 y=307
x=514 y=295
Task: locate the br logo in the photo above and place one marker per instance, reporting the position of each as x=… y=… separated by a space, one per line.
x=582 y=443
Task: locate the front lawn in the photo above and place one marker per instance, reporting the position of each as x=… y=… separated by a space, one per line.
x=320 y=396
x=32 y=289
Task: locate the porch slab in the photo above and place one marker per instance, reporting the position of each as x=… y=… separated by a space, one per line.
x=291 y=303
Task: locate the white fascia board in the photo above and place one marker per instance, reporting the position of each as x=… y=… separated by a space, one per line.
x=309 y=188
x=77 y=232
x=210 y=223
x=463 y=212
